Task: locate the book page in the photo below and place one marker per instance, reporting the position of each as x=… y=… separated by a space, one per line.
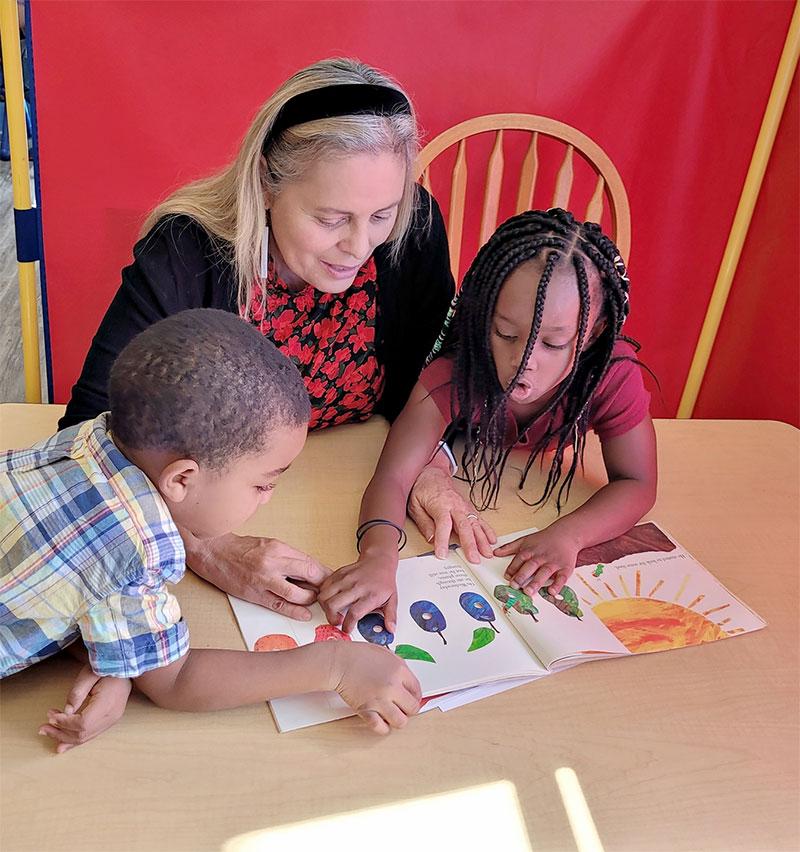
x=655 y=596
x=638 y=593
x=448 y=632
x=552 y=628
x=475 y=645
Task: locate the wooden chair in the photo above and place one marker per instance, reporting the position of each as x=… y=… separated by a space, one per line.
x=608 y=186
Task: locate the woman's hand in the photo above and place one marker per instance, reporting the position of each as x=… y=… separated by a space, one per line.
x=262 y=570
x=93 y=705
x=438 y=509
x=545 y=558
x=355 y=590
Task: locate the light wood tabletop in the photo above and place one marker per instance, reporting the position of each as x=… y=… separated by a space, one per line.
x=696 y=749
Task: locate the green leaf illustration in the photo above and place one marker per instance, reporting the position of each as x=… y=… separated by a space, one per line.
x=482 y=636
x=411 y=652
x=516 y=599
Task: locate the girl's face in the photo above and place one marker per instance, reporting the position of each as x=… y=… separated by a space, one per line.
x=554 y=350
x=325 y=226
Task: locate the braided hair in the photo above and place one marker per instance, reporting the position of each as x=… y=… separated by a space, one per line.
x=479 y=403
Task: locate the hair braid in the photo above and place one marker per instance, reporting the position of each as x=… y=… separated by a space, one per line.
x=479 y=404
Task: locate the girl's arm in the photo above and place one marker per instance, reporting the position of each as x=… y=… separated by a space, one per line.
x=369 y=583
x=547 y=558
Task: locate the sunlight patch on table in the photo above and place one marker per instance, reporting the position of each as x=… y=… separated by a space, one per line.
x=464 y=819
x=580 y=817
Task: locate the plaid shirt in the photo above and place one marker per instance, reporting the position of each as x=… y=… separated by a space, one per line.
x=87 y=546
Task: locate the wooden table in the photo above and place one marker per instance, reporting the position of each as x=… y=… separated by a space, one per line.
x=690 y=750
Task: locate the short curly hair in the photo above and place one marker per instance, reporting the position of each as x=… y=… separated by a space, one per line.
x=204 y=384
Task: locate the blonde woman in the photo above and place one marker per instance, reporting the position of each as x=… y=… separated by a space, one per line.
x=318 y=235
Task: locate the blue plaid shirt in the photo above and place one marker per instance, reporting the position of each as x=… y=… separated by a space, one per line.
x=87 y=546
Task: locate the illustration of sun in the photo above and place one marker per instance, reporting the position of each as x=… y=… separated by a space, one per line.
x=643 y=623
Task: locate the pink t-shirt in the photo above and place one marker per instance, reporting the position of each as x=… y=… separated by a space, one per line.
x=619 y=403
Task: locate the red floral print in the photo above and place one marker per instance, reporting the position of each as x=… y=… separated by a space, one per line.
x=331 y=339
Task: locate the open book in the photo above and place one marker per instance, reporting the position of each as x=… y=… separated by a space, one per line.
x=466 y=633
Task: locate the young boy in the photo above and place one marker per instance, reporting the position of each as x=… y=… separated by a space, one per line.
x=205 y=416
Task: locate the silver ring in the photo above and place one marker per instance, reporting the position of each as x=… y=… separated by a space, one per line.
x=472 y=517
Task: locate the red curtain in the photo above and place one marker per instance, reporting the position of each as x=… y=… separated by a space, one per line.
x=137 y=98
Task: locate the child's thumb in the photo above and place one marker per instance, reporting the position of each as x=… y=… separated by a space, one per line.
x=507 y=549
x=80 y=689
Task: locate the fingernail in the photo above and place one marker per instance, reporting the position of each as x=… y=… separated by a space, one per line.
x=41 y=733
x=68 y=708
x=429 y=539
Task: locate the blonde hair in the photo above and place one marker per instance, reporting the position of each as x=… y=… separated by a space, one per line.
x=230 y=204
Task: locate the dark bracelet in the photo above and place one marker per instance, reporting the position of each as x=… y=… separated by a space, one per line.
x=376 y=522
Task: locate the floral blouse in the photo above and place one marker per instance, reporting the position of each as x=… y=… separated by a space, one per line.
x=330 y=337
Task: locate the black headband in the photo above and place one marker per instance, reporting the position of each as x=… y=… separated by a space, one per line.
x=341 y=99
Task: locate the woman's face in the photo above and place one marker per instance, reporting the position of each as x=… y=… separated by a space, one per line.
x=325 y=226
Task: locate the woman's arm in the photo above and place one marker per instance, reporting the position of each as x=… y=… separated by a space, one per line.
x=262 y=570
x=173 y=269
x=414 y=296
x=548 y=557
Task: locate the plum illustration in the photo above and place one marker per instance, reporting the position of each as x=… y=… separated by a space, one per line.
x=373 y=628
x=429 y=617
x=478 y=607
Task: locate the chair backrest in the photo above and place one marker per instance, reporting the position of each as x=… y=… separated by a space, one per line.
x=608 y=185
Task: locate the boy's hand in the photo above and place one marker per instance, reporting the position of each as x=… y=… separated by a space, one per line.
x=355 y=590
x=378 y=685
x=438 y=509
x=540 y=559
x=94 y=704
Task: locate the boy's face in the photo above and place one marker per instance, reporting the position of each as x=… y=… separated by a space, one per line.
x=217 y=502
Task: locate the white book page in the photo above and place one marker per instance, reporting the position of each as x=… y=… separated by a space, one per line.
x=444 y=662
x=551 y=632
x=655 y=596
x=639 y=593
x=497 y=651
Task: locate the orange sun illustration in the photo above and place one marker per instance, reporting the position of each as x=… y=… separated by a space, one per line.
x=643 y=623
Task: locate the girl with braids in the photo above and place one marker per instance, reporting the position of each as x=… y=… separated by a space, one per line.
x=533 y=357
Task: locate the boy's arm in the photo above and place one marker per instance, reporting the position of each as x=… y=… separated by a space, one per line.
x=373 y=681
x=93 y=705
x=548 y=557
x=369 y=583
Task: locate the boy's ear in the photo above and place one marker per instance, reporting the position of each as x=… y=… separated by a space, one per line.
x=177 y=478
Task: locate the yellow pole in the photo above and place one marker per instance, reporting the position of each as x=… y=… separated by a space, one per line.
x=20 y=184
x=744 y=213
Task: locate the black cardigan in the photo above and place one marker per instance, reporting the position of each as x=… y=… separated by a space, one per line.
x=176 y=267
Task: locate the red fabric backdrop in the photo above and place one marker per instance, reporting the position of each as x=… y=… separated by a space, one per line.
x=136 y=98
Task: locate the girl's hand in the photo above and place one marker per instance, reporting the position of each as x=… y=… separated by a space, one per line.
x=355 y=590
x=544 y=558
x=438 y=509
x=93 y=705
